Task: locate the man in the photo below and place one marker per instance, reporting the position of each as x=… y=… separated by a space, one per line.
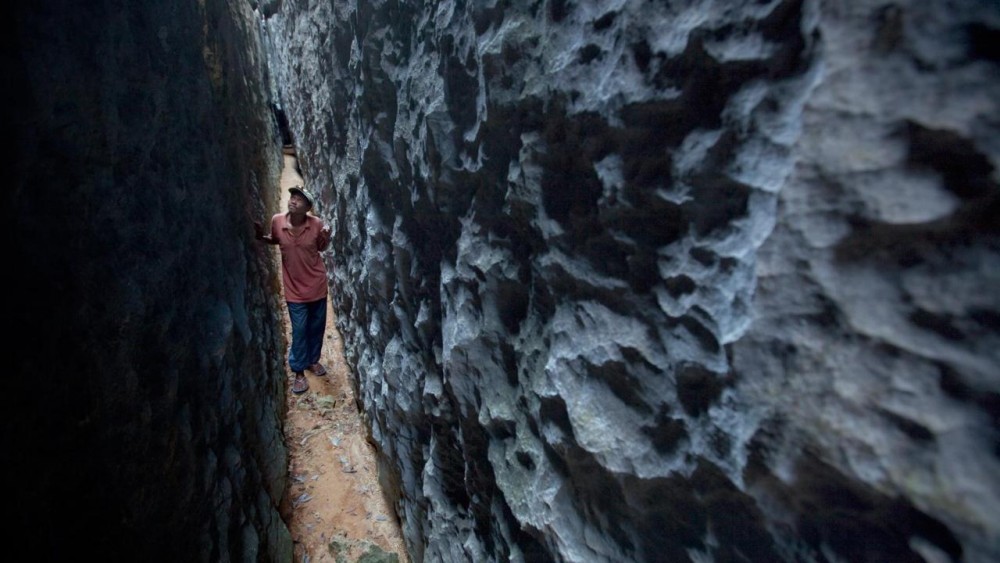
x=301 y=237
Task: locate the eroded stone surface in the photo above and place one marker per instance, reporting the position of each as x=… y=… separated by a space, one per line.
x=664 y=280
x=142 y=416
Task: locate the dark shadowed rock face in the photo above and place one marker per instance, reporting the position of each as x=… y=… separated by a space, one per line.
x=664 y=281
x=142 y=416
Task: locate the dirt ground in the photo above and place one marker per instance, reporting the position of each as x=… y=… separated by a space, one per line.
x=334 y=507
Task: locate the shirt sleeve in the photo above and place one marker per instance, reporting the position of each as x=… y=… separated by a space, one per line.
x=274 y=227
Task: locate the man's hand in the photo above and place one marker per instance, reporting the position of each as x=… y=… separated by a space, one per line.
x=258 y=230
x=323 y=240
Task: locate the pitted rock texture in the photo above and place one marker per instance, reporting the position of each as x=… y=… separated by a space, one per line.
x=875 y=346
x=142 y=417
x=663 y=281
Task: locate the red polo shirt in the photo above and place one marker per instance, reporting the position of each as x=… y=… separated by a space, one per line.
x=302 y=268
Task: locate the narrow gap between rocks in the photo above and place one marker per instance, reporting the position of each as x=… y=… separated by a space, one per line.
x=334 y=507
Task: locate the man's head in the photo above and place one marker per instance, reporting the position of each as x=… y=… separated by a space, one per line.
x=299 y=198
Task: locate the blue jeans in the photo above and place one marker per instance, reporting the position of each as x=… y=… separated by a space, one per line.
x=308 y=325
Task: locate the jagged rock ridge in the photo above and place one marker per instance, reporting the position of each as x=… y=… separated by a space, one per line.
x=674 y=281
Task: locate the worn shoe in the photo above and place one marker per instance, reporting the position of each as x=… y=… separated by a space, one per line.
x=300 y=385
x=318 y=369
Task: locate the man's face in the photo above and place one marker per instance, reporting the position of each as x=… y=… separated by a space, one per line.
x=297 y=204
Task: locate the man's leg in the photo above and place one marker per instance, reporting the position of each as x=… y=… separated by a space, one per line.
x=315 y=330
x=298 y=354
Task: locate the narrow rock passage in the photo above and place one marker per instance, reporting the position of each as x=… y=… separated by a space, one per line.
x=334 y=507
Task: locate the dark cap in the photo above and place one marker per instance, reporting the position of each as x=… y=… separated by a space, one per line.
x=302 y=192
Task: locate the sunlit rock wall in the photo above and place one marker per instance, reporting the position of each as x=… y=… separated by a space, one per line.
x=664 y=281
x=142 y=404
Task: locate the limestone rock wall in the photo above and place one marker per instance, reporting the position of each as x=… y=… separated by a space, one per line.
x=872 y=365
x=664 y=281
x=142 y=417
